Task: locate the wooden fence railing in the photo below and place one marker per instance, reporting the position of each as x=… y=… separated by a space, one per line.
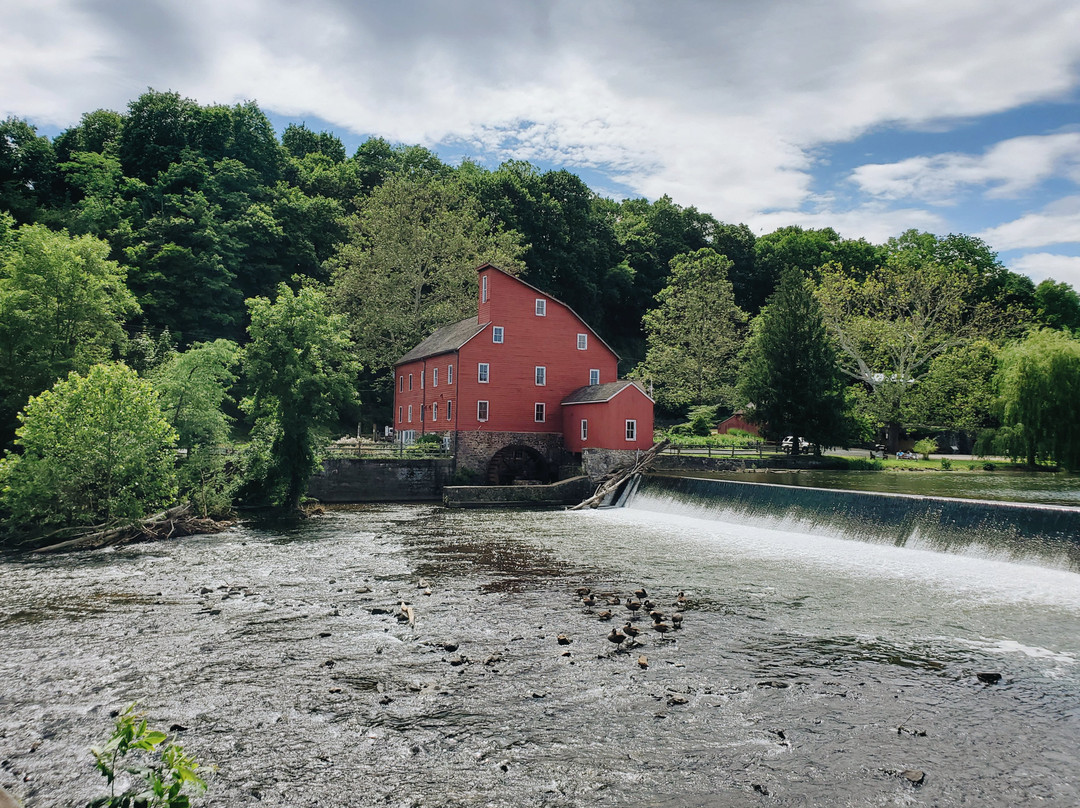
x=386 y=450
x=748 y=449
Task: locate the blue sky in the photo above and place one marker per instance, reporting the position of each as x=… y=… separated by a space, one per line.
x=869 y=116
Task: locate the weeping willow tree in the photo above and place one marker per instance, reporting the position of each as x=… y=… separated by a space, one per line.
x=1039 y=387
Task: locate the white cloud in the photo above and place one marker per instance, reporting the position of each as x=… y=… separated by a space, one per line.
x=1009 y=168
x=720 y=105
x=872 y=222
x=1058 y=223
x=1040 y=266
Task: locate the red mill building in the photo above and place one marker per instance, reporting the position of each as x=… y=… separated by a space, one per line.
x=520 y=386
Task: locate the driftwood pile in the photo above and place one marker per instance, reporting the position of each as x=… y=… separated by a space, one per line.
x=619 y=477
x=167 y=524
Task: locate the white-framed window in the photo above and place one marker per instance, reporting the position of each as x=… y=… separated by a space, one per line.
x=401 y=384
x=410 y=413
x=449 y=409
x=421 y=380
x=497 y=334
x=449 y=374
x=410 y=381
x=594 y=376
x=631 y=429
x=399 y=414
x=541 y=307
x=421 y=413
x=582 y=342
x=434 y=377
x=435 y=411
x=483 y=289
x=541 y=375
x=482 y=372
x=584 y=429
x=539 y=412
x=481 y=410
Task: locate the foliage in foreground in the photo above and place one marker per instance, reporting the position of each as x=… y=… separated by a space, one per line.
x=96 y=449
x=162 y=771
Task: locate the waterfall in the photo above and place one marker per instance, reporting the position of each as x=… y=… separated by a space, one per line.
x=1045 y=535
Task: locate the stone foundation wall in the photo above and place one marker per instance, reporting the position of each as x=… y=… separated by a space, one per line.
x=475 y=449
x=566 y=492
x=598 y=462
x=351 y=479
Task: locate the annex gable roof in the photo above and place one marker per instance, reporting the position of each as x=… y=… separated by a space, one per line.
x=443 y=340
x=600 y=393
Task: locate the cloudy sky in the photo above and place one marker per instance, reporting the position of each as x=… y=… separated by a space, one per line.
x=869 y=116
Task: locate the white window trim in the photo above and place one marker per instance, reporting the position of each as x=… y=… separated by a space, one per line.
x=540 y=375
x=483 y=372
x=434 y=377
x=539 y=408
x=434 y=411
x=410 y=413
x=583 y=342
x=410 y=381
x=584 y=429
x=497 y=334
x=449 y=374
x=449 y=409
x=541 y=307
x=594 y=373
x=401 y=384
x=400 y=409
x=487 y=411
x=483 y=289
x=631 y=427
x=421 y=380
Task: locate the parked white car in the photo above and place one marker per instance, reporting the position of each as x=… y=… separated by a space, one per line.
x=788 y=444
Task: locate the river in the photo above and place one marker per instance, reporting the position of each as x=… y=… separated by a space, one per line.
x=810 y=669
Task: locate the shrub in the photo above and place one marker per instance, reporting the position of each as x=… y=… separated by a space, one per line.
x=946 y=464
x=926 y=447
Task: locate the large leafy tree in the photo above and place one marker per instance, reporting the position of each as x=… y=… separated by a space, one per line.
x=892 y=323
x=694 y=333
x=409 y=266
x=301 y=369
x=62 y=308
x=790 y=380
x=94 y=448
x=1057 y=305
x=1039 y=384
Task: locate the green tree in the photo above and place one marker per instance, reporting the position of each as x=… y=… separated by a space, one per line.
x=957 y=390
x=694 y=333
x=790 y=380
x=194 y=388
x=94 y=449
x=62 y=308
x=300 y=367
x=892 y=323
x=1039 y=384
x=409 y=266
x=1057 y=305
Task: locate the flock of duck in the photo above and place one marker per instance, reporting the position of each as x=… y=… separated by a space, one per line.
x=637 y=604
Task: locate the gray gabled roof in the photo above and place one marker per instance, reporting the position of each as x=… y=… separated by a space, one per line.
x=599 y=393
x=448 y=338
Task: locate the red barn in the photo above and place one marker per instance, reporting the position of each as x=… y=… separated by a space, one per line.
x=512 y=386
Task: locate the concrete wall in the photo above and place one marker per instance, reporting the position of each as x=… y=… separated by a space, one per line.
x=565 y=492
x=351 y=479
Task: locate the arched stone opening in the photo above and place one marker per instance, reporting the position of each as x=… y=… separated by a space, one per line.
x=517 y=464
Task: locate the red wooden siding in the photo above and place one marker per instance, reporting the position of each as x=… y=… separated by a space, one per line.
x=423 y=398
x=607 y=422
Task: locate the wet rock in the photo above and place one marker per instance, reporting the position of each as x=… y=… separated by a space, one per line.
x=458 y=660
x=643 y=662
x=379 y=610
x=450 y=647
x=989 y=678
x=536 y=694
x=562 y=639
x=675 y=700
x=914 y=776
x=385 y=700
x=760 y=789
x=565 y=653
x=494 y=659
x=335 y=690
x=205 y=590
x=918 y=733
x=178 y=728
x=363 y=590
x=328 y=664
x=773 y=683
x=324 y=633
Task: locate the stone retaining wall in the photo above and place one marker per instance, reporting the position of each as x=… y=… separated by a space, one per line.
x=352 y=479
x=566 y=492
x=475 y=449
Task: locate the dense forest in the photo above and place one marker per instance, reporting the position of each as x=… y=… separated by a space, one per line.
x=165 y=237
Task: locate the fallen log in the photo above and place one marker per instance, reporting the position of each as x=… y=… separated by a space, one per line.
x=176 y=521
x=616 y=480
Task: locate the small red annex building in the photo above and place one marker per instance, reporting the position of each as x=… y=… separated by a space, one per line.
x=519 y=386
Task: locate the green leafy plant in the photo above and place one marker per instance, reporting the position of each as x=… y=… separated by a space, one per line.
x=946 y=464
x=926 y=447
x=163 y=770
